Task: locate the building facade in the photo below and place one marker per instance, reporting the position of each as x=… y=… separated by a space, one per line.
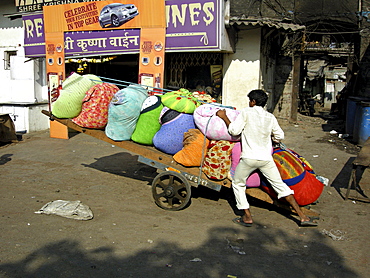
x=23 y=90
x=296 y=50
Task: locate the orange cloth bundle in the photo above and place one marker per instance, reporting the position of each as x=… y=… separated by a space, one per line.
x=195 y=147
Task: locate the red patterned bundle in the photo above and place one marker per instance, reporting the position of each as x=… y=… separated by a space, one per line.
x=217 y=162
x=94 y=113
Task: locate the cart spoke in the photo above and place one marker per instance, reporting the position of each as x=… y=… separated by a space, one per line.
x=170 y=181
x=178 y=187
x=181 y=196
x=160 y=195
x=161 y=185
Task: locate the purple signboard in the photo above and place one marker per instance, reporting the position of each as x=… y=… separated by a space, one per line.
x=36 y=5
x=80 y=43
x=191 y=26
x=34 y=35
x=101 y=42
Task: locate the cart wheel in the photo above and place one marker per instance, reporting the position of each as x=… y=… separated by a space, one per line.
x=171 y=191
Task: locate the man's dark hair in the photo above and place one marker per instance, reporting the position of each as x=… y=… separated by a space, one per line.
x=259 y=96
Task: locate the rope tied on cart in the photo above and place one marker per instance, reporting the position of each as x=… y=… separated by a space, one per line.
x=203 y=151
x=121 y=83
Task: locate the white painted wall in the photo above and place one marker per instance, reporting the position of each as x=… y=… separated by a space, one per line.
x=27 y=118
x=24 y=84
x=242 y=69
x=11 y=39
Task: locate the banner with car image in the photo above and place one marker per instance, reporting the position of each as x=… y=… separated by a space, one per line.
x=104 y=15
x=24 y=6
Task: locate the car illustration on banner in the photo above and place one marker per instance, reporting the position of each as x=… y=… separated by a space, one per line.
x=116 y=14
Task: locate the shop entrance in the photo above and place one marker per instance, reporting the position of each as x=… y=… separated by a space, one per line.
x=195 y=72
x=122 y=67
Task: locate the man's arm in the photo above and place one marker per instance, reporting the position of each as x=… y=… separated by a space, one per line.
x=234 y=128
x=222 y=114
x=277 y=132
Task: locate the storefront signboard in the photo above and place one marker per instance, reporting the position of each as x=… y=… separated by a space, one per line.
x=102 y=42
x=81 y=28
x=34 y=35
x=83 y=43
x=190 y=26
x=24 y=6
x=148 y=16
x=193 y=25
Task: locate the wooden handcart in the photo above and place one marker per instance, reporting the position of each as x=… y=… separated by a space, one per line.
x=171 y=188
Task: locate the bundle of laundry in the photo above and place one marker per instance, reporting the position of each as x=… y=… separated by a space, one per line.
x=148 y=123
x=217 y=162
x=296 y=172
x=74 y=88
x=124 y=111
x=212 y=126
x=181 y=101
x=170 y=136
x=94 y=112
x=195 y=146
x=254 y=179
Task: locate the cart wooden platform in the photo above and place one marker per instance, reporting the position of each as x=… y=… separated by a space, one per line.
x=171 y=188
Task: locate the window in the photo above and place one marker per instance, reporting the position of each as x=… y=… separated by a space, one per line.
x=7 y=55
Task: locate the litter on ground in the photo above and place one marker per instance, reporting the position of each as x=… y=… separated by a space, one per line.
x=69 y=209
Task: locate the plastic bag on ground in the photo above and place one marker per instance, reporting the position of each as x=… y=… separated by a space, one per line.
x=69 y=209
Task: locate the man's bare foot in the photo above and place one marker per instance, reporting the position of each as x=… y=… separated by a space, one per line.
x=246 y=219
x=239 y=220
x=308 y=222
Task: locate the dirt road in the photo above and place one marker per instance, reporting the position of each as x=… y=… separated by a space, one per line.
x=130 y=236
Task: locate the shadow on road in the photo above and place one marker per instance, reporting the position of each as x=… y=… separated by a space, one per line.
x=341 y=180
x=228 y=252
x=5 y=158
x=340 y=183
x=124 y=164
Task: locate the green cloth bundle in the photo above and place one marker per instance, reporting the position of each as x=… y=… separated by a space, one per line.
x=74 y=88
x=148 y=122
x=181 y=101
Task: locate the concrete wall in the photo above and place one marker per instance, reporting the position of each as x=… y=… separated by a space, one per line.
x=242 y=70
x=23 y=88
x=27 y=118
x=8 y=7
x=17 y=84
x=247 y=69
x=282 y=95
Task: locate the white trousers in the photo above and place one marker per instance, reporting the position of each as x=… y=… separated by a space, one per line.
x=268 y=168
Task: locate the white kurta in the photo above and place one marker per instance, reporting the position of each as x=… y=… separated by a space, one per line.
x=256 y=127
